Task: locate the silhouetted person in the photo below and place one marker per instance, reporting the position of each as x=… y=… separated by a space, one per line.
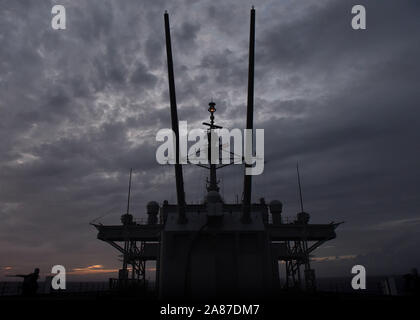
x=30 y=283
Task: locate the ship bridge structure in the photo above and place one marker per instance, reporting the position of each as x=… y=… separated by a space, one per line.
x=215 y=248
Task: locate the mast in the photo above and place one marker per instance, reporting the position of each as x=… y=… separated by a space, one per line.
x=246 y=218
x=174 y=118
x=129 y=192
x=211 y=146
x=127 y=219
x=300 y=187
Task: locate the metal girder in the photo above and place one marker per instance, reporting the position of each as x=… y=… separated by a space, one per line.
x=116 y=246
x=315 y=245
x=149 y=251
x=132 y=255
x=131 y=232
x=296 y=232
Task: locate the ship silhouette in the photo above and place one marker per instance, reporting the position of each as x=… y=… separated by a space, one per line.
x=215 y=248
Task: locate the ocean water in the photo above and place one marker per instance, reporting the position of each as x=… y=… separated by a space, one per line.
x=8 y=288
x=374 y=285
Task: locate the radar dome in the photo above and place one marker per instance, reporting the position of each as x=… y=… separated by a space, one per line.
x=303 y=217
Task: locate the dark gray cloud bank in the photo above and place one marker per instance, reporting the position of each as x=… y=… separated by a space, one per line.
x=79 y=107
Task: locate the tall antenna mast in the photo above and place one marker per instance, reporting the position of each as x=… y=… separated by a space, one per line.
x=129 y=192
x=180 y=194
x=213 y=183
x=300 y=187
x=246 y=202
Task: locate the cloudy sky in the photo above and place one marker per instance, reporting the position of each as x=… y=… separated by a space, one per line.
x=79 y=107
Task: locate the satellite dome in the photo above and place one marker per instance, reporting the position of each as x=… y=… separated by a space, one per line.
x=152 y=207
x=126 y=219
x=276 y=206
x=303 y=217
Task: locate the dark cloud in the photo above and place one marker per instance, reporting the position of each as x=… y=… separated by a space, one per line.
x=80 y=107
x=185 y=36
x=142 y=78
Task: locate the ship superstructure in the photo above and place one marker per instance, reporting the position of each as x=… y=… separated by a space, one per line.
x=216 y=248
